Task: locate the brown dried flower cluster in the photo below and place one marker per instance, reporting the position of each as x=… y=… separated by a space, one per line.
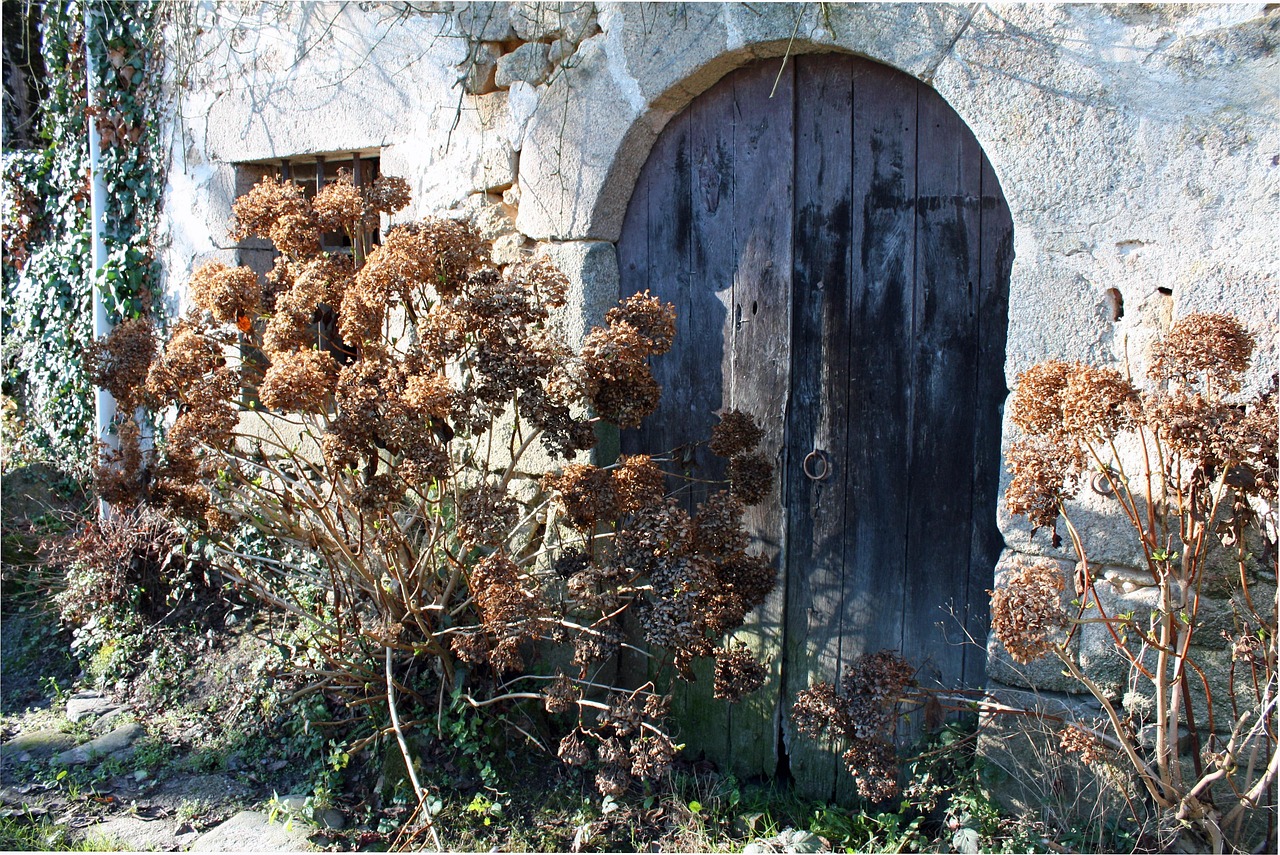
x=1045 y=474
x=299 y=382
x=587 y=494
x=701 y=582
x=562 y=696
x=1074 y=739
x=486 y=516
x=120 y=362
x=1027 y=613
x=1069 y=412
x=228 y=293
x=864 y=715
x=1203 y=351
x=619 y=381
x=625 y=740
x=737 y=433
x=509 y=608
x=737 y=673
x=259 y=212
x=874 y=766
x=1064 y=400
x=419 y=368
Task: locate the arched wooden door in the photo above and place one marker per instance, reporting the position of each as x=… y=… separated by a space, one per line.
x=839 y=255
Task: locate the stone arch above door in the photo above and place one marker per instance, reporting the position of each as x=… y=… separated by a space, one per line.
x=838 y=250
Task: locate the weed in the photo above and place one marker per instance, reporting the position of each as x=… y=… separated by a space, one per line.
x=32 y=833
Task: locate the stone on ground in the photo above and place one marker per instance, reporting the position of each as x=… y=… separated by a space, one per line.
x=117 y=740
x=84 y=705
x=36 y=745
x=251 y=830
x=134 y=833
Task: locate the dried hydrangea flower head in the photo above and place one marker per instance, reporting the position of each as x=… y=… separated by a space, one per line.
x=874 y=766
x=228 y=293
x=340 y=206
x=737 y=673
x=619 y=381
x=863 y=715
x=118 y=473
x=121 y=361
x=542 y=279
x=587 y=494
x=1036 y=405
x=299 y=382
x=638 y=483
x=1046 y=472
x=486 y=516
x=1097 y=403
x=654 y=322
x=272 y=200
x=817 y=709
x=1075 y=739
x=193 y=351
x=750 y=477
x=561 y=696
x=1027 y=613
x=388 y=194
x=1207 y=352
x=737 y=433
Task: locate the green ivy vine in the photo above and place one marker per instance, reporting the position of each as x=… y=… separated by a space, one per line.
x=47 y=313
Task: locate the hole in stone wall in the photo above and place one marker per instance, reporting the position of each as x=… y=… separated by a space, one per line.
x=1168 y=292
x=1115 y=301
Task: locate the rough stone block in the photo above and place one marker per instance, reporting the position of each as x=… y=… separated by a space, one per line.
x=1026 y=770
x=559 y=50
x=592 y=270
x=508 y=249
x=487 y=213
x=480 y=68
x=541 y=21
x=495 y=166
x=582 y=151
x=486 y=22
x=527 y=63
x=134 y=833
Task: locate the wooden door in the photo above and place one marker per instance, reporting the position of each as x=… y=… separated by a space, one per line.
x=839 y=256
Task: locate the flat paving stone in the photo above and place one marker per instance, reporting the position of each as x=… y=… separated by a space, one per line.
x=88 y=706
x=251 y=830
x=117 y=740
x=36 y=745
x=134 y=833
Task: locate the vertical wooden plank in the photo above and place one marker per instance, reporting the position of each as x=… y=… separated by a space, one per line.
x=761 y=369
x=939 y=523
x=705 y=359
x=819 y=405
x=992 y=327
x=653 y=254
x=880 y=329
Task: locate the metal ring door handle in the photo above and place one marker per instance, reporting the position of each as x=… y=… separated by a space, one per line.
x=817 y=465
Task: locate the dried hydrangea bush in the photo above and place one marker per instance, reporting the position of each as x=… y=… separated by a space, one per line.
x=386 y=477
x=1200 y=486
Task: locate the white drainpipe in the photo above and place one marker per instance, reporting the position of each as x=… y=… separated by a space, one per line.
x=104 y=403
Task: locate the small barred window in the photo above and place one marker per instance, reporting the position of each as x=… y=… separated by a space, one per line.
x=311 y=173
